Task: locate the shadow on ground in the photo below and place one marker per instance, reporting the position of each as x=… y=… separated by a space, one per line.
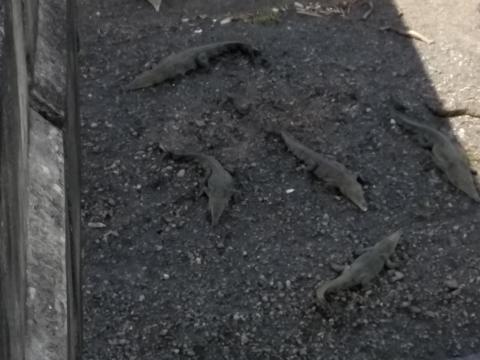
x=160 y=283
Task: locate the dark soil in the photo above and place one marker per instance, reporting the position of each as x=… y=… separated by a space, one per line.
x=161 y=283
x=2 y=34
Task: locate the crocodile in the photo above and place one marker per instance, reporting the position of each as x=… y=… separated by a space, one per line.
x=219 y=183
x=447 y=156
x=187 y=60
x=364 y=269
x=330 y=171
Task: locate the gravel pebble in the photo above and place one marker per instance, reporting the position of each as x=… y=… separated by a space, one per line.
x=181 y=173
x=96 y=225
x=451 y=284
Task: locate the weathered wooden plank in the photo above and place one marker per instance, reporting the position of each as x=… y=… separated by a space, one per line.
x=30 y=8
x=72 y=188
x=49 y=261
x=49 y=82
x=46 y=271
x=13 y=185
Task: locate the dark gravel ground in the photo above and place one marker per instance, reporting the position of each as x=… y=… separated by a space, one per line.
x=2 y=34
x=160 y=283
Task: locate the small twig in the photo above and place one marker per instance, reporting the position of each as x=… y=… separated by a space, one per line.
x=369 y=12
x=310 y=13
x=453 y=112
x=408 y=33
x=156 y=4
